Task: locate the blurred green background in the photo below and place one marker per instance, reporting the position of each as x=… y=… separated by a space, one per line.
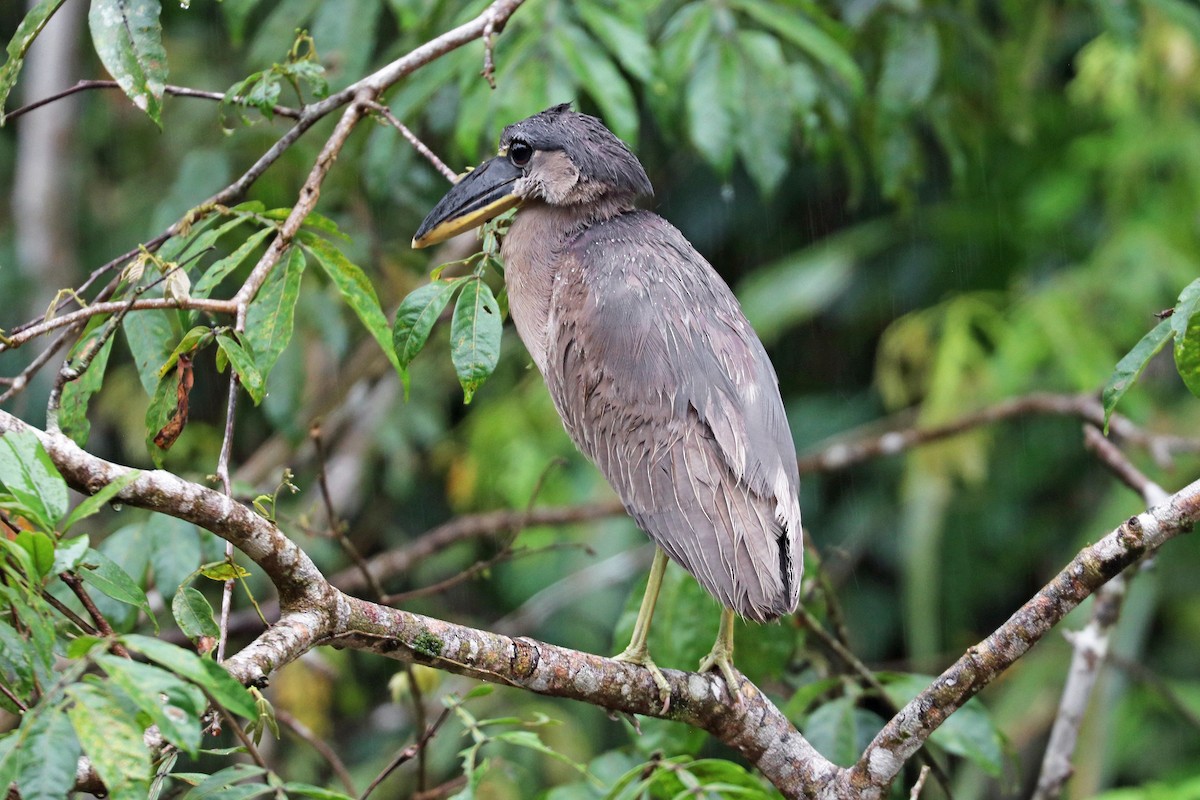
x=925 y=207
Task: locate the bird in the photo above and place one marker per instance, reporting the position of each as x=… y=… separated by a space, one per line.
x=653 y=367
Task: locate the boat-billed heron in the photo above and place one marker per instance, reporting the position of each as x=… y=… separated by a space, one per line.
x=657 y=375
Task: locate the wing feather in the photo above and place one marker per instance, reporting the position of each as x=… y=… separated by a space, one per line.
x=661 y=381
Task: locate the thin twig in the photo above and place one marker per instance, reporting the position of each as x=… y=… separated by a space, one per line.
x=304 y=733
x=336 y=529
x=920 y=784
x=238 y=731
x=67 y=612
x=82 y=315
x=17 y=384
x=421 y=148
x=851 y=450
x=178 y=91
x=12 y=698
x=227 y=487
x=408 y=753
x=507 y=554
x=76 y=585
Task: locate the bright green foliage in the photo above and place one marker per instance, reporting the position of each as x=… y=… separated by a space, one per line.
x=416 y=316
x=357 y=291
x=270 y=317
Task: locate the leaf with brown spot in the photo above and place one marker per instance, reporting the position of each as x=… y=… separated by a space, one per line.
x=167 y=435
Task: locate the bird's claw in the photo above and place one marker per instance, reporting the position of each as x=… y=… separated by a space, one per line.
x=721 y=659
x=641 y=657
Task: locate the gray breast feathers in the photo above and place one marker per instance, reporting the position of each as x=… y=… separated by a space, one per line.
x=661 y=381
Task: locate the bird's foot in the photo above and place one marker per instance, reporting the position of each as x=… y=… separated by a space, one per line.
x=641 y=657
x=720 y=658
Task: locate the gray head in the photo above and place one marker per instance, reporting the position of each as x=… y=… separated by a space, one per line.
x=558 y=156
x=572 y=158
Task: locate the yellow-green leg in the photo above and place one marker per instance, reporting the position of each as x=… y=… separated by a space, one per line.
x=638 y=652
x=721 y=655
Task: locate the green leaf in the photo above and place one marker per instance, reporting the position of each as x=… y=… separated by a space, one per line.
x=72 y=410
x=221 y=268
x=162 y=403
x=93 y=504
x=69 y=553
x=207 y=674
x=128 y=38
x=112 y=739
x=764 y=135
x=475 y=332
x=247 y=370
x=596 y=72
x=40 y=548
x=174 y=552
x=808 y=36
x=358 y=293
x=1126 y=373
x=215 y=786
x=1187 y=354
x=683 y=38
x=911 y=61
x=47 y=756
x=150 y=334
x=622 y=37
x=194 y=614
x=190 y=341
x=269 y=319
x=174 y=705
x=710 y=125
x=223 y=571
x=31 y=477
x=416 y=317
x=107 y=577
x=840 y=730
x=19 y=44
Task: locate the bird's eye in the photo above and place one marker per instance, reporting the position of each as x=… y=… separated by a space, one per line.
x=519 y=154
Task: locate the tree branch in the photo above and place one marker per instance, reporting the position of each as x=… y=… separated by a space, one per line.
x=178 y=91
x=316 y=613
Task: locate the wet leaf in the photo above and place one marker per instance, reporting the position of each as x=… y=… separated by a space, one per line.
x=76 y=394
x=94 y=503
x=243 y=362
x=193 y=614
x=270 y=318
x=475 y=332
x=27 y=472
x=112 y=738
x=1126 y=373
x=47 y=756
x=128 y=38
x=209 y=675
x=358 y=293
x=110 y=579
x=416 y=317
